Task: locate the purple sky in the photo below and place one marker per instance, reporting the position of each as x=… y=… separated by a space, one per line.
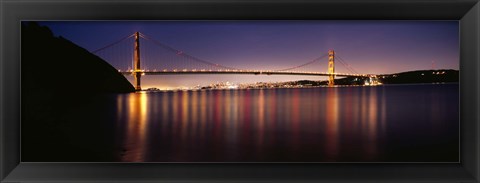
x=368 y=46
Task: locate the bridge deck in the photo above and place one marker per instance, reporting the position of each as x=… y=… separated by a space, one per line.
x=169 y=72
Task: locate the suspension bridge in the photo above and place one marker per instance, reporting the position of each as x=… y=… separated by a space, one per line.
x=162 y=59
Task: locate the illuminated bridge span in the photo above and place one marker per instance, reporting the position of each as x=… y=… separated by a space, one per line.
x=161 y=59
x=255 y=72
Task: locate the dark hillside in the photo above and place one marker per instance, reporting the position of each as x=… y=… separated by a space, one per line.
x=422 y=76
x=57 y=78
x=62 y=65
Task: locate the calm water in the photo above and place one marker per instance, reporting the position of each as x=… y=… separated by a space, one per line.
x=347 y=124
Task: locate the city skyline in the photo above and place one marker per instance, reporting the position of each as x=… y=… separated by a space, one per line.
x=374 y=47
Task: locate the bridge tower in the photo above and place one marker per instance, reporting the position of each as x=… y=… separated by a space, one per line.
x=331 y=67
x=137 y=74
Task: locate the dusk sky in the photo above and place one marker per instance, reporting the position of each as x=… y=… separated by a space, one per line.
x=375 y=47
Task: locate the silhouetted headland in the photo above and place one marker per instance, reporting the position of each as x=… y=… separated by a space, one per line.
x=57 y=78
x=409 y=77
x=422 y=76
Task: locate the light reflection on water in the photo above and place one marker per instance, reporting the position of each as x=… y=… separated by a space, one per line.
x=136 y=131
x=314 y=124
x=331 y=119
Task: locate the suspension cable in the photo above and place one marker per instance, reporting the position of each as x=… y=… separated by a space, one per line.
x=186 y=55
x=348 y=67
x=114 y=43
x=305 y=64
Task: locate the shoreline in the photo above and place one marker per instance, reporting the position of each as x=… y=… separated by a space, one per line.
x=303 y=87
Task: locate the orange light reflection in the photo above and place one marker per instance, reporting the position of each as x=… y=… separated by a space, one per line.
x=331 y=124
x=135 y=139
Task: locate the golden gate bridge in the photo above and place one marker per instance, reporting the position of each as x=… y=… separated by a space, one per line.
x=125 y=55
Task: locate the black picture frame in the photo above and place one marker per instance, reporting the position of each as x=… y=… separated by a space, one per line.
x=13 y=11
